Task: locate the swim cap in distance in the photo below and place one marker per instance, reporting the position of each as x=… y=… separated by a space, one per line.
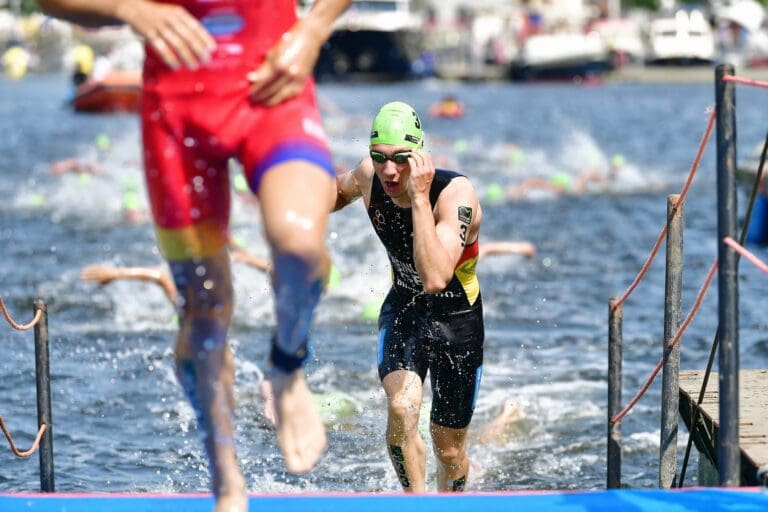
x=397 y=124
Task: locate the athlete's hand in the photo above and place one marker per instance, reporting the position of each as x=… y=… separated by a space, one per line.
x=287 y=65
x=177 y=36
x=422 y=173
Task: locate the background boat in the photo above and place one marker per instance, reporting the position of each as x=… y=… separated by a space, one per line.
x=117 y=91
x=373 y=40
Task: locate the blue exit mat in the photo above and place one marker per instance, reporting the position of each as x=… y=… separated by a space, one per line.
x=624 y=500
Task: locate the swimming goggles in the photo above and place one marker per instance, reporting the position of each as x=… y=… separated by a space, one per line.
x=399 y=158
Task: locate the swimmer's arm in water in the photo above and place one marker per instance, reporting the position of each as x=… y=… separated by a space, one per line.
x=291 y=60
x=104 y=274
x=177 y=36
x=243 y=256
x=523 y=248
x=350 y=185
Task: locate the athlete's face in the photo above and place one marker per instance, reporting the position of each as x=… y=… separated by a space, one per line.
x=393 y=175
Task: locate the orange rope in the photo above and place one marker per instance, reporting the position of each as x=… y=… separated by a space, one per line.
x=688 y=319
x=20 y=327
x=15 y=450
x=683 y=193
x=745 y=81
x=736 y=246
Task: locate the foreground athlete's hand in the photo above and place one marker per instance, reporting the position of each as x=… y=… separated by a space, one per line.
x=288 y=64
x=177 y=36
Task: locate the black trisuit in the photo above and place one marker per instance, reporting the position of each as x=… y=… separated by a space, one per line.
x=442 y=332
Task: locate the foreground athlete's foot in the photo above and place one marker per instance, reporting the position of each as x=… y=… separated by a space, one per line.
x=232 y=497
x=300 y=431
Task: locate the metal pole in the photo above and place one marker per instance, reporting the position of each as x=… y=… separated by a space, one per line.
x=673 y=304
x=43 y=379
x=728 y=308
x=615 y=313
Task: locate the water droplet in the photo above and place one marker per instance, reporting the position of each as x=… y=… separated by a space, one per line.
x=190 y=142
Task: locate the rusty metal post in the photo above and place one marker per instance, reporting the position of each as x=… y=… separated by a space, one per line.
x=43 y=380
x=615 y=313
x=728 y=454
x=673 y=304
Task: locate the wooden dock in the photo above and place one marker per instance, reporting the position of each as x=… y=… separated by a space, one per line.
x=753 y=417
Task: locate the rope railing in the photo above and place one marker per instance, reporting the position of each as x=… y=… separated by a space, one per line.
x=688 y=319
x=43 y=443
x=14 y=449
x=736 y=246
x=683 y=193
x=17 y=326
x=745 y=81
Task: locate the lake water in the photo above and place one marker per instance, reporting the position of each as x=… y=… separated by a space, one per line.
x=120 y=421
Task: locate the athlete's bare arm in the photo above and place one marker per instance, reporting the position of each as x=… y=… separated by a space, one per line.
x=354 y=184
x=177 y=36
x=289 y=63
x=104 y=274
x=439 y=236
x=524 y=248
x=243 y=256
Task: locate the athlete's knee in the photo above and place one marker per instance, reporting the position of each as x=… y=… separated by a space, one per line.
x=451 y=455
x=205 y=298
x=307 y=245
x=403 y=410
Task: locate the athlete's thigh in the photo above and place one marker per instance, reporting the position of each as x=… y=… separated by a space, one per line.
x=456 y=368
x=401 y=339
x=288 y=165
x=188 y=187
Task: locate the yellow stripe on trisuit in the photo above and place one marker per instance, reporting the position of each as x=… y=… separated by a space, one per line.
x=201 y=240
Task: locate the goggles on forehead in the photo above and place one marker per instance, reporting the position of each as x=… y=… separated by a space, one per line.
x=399 y=158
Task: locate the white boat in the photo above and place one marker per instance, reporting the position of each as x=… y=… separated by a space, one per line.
x=682 y=39
x=373 y=39
x=562 y=56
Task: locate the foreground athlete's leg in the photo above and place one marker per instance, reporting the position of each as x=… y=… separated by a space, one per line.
x=450 y=446
x=404 y=443
x=296 y=198
x=205 y=368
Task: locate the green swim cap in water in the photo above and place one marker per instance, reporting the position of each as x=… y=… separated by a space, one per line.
x=335 y=406
x=397 y=124
x=494 y=193
x=102 y=142
x=617 y=160
x=372 y=308
x=131 y=200
x=334 y=277
x=562 y=180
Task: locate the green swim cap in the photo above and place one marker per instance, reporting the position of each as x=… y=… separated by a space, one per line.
x=494 y=193
x=240 y=183
x=131 y=200
x=103 y=142
x=372 y=308
x=562 y=180
x=334 y=277
x=617 y=160
x=335 y=406
x=398 y=124
x=460 y=145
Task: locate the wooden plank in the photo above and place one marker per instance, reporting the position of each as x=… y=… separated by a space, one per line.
x=753 y=409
